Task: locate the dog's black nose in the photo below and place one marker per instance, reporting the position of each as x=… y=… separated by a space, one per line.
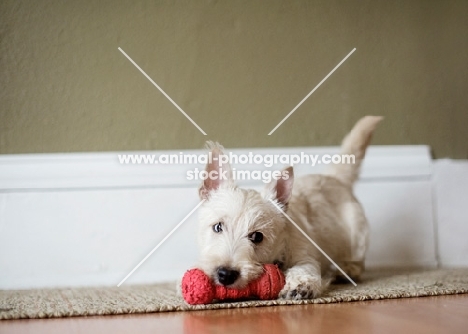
x=227 y=276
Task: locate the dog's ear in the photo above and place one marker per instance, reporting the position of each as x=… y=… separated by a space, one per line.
x=281 y=189
x=218 y=170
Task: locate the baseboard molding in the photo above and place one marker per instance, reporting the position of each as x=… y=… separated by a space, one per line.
x=84 y=219
x=103 y=170
x=450 y=183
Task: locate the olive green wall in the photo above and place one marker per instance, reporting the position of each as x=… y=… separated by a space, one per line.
x=236 y=67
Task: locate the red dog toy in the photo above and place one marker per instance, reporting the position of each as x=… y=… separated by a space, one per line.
x=197 y=287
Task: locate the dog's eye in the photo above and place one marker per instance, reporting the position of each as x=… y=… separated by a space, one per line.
x=256 y=237
x=218 y=227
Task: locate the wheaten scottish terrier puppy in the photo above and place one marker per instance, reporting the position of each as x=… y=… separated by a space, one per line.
x=240 y=229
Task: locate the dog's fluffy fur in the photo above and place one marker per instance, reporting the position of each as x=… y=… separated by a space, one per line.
x=322 y=205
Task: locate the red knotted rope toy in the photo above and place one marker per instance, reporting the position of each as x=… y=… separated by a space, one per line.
x=197 y=287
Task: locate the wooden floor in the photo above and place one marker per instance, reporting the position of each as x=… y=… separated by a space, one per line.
x=445 y=314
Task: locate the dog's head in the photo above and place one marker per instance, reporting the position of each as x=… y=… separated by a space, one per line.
x=239 y=229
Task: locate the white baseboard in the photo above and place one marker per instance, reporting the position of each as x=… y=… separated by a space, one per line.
x=103 y=170
x=85 y=219
x=451 y=205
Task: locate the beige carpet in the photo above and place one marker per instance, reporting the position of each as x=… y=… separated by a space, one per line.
x=49 y=303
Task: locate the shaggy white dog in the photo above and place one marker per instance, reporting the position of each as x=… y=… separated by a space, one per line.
x=241 y=229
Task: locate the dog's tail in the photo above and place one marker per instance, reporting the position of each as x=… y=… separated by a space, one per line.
x=354 y=144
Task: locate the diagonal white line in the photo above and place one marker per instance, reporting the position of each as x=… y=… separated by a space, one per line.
x=161 y=242
x=313 y=243
x=162 y=91
x=312 y=91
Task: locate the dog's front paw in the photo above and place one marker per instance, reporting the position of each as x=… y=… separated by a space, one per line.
x=304 y=287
